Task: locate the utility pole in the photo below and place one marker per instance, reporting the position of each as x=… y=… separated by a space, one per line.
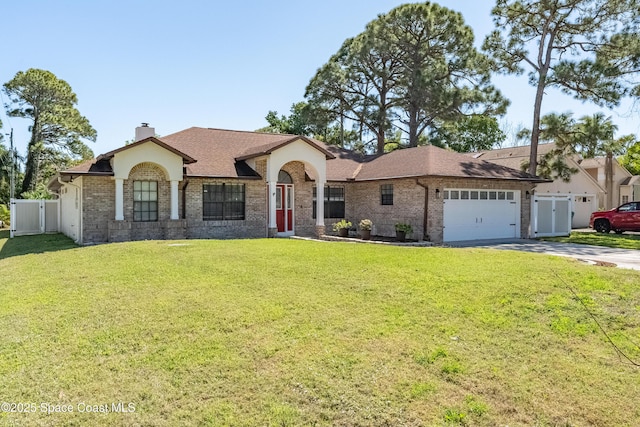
x=12 y=177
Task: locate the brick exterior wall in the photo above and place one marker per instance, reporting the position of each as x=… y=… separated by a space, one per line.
x=98 y=214
x=411 y=197
x=254 y=224
x=98 y=208
x=363 y=201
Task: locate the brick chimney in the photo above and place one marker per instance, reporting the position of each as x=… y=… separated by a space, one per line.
x=144 y=131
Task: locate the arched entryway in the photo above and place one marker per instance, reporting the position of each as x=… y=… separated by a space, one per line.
x=284 y=204
x=296 y=157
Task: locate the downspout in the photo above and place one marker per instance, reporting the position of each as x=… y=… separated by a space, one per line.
x=80 y=222
x=184 y=198
x=266 y=205
x=425 y=222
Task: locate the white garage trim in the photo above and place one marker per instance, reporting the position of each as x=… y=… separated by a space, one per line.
x=474 y=214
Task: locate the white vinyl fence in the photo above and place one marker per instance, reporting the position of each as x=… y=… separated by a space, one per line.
x=34 y=217
x=551 y=215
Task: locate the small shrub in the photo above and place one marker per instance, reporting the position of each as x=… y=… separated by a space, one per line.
x=365 y=224
x=401 y=226
x=343 y=223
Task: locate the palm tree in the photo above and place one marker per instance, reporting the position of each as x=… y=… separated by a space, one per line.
x=595 y=137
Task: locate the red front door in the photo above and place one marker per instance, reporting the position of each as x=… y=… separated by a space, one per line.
x=284 y=208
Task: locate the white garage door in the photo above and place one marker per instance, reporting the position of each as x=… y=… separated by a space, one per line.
x=481 y=214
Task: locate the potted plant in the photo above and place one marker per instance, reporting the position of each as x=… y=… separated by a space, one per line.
x=402 y=229
x=342 y=227
x=365 y=229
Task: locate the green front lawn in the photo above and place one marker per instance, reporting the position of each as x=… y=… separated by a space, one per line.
x=612 y=240
x=286 y=333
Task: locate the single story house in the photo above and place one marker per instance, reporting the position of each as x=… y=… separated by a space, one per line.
x=586 y=187
x=213 y=183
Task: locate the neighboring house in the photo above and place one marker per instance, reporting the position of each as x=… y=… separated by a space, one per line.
x=212 y=183
x=621 y=177
x=630 y=189
x=584 y=189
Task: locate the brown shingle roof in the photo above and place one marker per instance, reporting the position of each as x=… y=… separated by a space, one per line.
x=345 y=165
x=221 y=153
x=102 y=166
x=511 y=157
x=91 y=167
x=265 y=149
x=217 y=151
x=433 y=161
x=153 y=139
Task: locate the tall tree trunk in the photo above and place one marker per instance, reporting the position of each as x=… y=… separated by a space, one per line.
x=535 y=129
x=608 y=179
x=413 y=126
x=380 y=141
x=544 y=63
x=382 y=120
x=341 y=128
x=30 y=170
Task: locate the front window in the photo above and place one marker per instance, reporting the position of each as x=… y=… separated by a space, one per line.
x=333 y=202
x=386 y=194
x=223 y=202
x=145 y=201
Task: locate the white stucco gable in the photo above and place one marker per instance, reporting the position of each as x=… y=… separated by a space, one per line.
x=148 y=152
x=581 y=183
x=300 y=151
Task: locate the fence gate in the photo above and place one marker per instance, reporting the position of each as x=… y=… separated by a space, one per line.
x=551 y=215
x=34 y=217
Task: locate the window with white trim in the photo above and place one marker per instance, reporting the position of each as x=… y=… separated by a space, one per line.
x=145 y=201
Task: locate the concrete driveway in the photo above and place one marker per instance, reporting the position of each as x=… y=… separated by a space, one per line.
x=623 y=258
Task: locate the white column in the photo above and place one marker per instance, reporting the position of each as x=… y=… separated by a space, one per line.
x=174 y=200
x=272 y=205
x=320 y=202
x=119 y=199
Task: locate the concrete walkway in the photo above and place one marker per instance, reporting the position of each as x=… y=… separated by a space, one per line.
x=623 y=258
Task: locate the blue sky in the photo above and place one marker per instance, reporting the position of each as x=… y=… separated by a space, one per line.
x=207 y=63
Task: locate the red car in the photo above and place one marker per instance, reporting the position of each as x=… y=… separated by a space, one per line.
x=623 y=218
